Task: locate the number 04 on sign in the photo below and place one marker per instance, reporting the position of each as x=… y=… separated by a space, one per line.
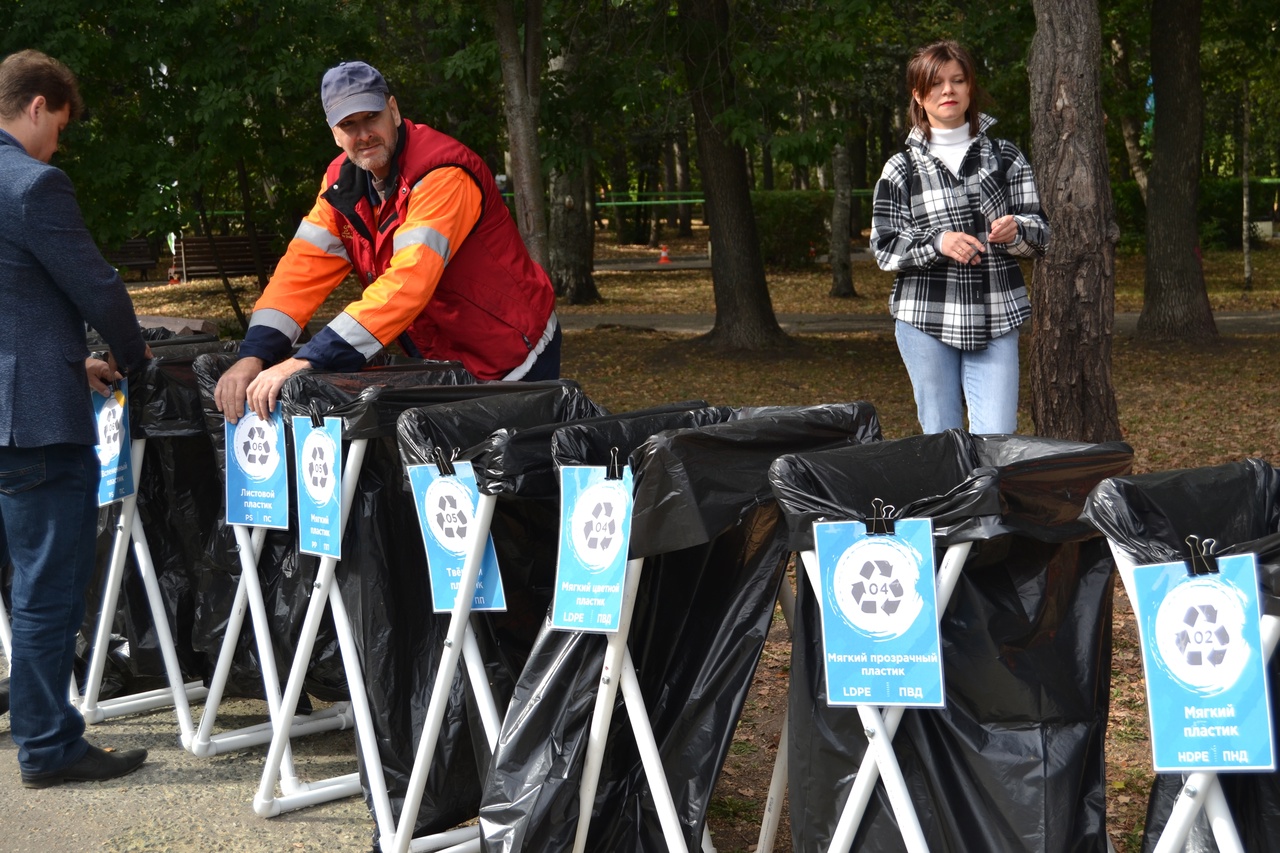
x=879 y=614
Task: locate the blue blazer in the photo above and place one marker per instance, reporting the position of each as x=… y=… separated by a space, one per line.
x=53 y=280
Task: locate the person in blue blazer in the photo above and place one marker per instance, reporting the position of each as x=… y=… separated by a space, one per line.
x=53 y=281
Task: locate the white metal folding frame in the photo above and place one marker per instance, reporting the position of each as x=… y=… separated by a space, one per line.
x=617 y=671
x=294 y=793
x=178 y=694
x=199 y=740
x=880 y=725
x=1200 y=791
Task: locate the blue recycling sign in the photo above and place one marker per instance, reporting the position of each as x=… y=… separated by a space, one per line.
x=595 y=533
x=115 y=449
x=257 y=472
x=446 y=507
x=1207 y=693
x=318 y=457
x=879 y=614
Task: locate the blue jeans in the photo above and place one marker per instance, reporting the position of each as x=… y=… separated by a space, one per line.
x=49 y=518
x=940 y=374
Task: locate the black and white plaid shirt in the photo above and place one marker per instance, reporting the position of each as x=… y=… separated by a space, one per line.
x=917 y=199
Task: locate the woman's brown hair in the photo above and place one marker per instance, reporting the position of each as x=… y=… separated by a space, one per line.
x=923 y=71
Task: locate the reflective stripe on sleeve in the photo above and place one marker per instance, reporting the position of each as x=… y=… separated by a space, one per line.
x=273 y=318
x=357 y=336
x=322 y=239
x=426 y=236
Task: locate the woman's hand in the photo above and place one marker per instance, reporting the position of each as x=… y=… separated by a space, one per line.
x=1003 y=230
x=962 y=248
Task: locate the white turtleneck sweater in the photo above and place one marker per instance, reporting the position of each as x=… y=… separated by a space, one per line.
x=950 y=145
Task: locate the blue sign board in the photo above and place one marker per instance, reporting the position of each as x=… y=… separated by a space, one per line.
x=318 y=454
x=447 y=516
x=115 y=449
x=257 y=473
x=595 y=531
x=1207 y=692
x=879 y=614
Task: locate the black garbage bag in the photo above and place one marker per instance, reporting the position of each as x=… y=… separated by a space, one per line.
x=1149 y=517
x=178 y=498
x=715 y=551
x=382 y=574
x=286 y=574
x=1015 y=760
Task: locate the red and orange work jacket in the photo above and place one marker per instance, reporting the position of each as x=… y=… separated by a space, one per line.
x=443 y=267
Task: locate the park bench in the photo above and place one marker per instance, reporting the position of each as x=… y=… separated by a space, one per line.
x=195 y=258
x=136 y=254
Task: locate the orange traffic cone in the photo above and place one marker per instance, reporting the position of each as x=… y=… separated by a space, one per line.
x=664 y=258
x=173 y=275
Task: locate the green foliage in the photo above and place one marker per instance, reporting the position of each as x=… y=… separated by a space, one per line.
x=1218 y=212
x=1131 y=215
x=791 y=223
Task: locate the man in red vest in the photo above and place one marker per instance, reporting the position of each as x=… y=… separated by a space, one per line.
x=418 y=218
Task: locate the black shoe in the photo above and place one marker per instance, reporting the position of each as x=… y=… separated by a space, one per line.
x=4 y=695
x=97 y=765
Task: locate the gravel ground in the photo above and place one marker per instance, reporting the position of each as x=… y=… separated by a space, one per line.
x=177 y=801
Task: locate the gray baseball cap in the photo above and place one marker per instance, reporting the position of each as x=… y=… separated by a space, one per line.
x=352 y=87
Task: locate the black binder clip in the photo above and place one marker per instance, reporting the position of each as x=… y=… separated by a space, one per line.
x=317 y=417
x=880 y=522
x=1202 y=560
x=614 y=469
x=445 y=463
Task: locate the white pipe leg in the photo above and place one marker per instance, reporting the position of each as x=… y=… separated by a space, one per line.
x=602 y=714
x=451 y=654
x=164 y=636
x=265 y=803
x=111 y=592
x=650 y=758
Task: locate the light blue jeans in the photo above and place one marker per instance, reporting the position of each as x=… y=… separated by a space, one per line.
x=945 y=378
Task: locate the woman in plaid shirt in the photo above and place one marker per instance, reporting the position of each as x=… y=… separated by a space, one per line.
x=952 y=212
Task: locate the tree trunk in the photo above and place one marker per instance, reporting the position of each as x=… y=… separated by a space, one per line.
x=841 y=211
x=521 y=87
x=683 y=184
x=670 y=211
x=1073 y=286
x=203 y=213
x=1246 y=225
x=571 y=239
x=744 y=312
x=766 y=163
x=858 y=177
x=1130 y=124
x=250 y=225
x=1176 y=304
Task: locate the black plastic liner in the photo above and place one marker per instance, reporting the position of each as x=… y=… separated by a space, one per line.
x=178 y=503
x=285 y=574
x=1149 y=516
x=715 y=552
x=1015 y=761
x=383 y=575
